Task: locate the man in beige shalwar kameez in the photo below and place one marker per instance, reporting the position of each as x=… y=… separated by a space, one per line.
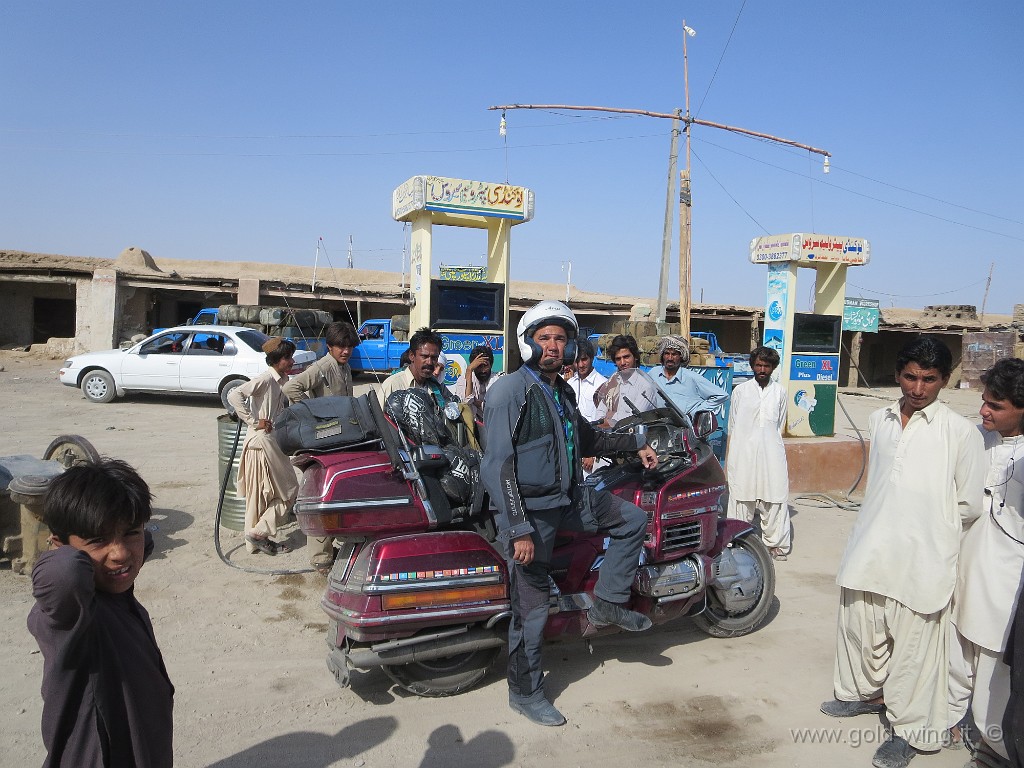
x=265 y=475
x=925 y=478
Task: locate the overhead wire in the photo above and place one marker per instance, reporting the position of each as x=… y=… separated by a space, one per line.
x=916 y=295
x=302 y=136
x=909 y=191
x=392 y=153
x=721 y=58
x=728 y=193
x=867 y=196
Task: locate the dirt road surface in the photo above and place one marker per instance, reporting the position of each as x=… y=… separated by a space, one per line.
x=246 y=652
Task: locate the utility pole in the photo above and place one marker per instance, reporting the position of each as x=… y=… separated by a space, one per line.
x=685 y=208
x=684 y=191
x=350 y=251
x=666 y=235
x=988 y=284
x=316 y=263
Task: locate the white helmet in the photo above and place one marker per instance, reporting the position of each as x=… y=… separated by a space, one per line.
x=546 y=313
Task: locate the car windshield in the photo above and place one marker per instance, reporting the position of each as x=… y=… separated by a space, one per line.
x=171 y=343
x=253 y=339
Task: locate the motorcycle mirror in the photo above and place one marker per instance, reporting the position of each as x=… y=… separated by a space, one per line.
x=703 y=423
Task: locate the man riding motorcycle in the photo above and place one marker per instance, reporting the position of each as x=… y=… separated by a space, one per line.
x=535 y=441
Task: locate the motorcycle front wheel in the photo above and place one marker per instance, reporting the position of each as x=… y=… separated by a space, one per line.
x=446 y=676
x=719 y=622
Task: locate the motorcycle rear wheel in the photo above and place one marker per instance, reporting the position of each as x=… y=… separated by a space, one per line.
x=446 y=676
x=717 y=621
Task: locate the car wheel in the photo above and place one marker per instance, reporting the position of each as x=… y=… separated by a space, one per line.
x=225 y=390
x=98 y=386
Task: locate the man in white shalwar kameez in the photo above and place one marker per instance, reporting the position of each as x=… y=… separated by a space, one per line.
x=991 y=562
x=925 y=478
x=755 y=462
x=265 y=475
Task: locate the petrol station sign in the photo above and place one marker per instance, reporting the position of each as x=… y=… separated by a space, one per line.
x=810 y=248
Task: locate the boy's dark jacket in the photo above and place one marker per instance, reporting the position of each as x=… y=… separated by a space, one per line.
x=107 y=699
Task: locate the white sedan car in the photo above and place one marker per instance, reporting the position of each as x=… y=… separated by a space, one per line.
x=190 y=359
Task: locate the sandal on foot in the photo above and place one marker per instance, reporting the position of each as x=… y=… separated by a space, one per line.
x=777 y=553
x=266 y=546
x=894 y=753
x=279 y=546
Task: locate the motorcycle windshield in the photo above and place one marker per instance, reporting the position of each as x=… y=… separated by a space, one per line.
x=634 y=392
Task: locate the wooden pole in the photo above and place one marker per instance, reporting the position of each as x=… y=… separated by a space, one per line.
x=666 y=235
x=685 y=211
x=671 y=116
x=988 y=284
x=684 y=253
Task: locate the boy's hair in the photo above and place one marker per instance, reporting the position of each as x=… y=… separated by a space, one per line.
x=425 y=336
x=341 y=334
x=585 y=348
x=1005 y=380
x=91 y=499
x=285 y=349
x=927 y=352
x=767 y=354
x=620 y=343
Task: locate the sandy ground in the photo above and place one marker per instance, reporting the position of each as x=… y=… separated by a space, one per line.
x=246 y=652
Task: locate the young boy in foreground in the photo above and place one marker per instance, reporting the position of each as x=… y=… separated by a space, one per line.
x=107 y=700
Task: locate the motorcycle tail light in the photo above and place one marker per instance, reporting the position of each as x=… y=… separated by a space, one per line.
x=438 y=597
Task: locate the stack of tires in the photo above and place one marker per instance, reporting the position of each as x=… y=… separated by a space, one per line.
x=277 y=321
x=646 y=334
x=400 y=327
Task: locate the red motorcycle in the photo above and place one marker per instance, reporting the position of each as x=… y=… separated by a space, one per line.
x=420 y=589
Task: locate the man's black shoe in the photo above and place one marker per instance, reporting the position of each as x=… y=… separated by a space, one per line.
x=895 y=753
x=837 y=708
x=536 y=708
x=602 y=613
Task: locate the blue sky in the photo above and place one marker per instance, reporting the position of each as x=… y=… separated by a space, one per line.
x=246 y=131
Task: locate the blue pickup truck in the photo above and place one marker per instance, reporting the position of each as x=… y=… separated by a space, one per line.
x=378 y=351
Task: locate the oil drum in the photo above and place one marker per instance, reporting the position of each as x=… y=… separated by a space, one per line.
x=233 y=512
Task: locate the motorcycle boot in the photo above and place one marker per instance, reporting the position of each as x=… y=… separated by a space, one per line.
x=536 y=708
x=602 y=613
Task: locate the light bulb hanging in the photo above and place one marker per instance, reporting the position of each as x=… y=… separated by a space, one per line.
x=826 y=168
x=501 y=125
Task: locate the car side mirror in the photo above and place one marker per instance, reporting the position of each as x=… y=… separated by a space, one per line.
x=704 y=423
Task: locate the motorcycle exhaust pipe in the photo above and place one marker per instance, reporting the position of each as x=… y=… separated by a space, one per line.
x=425 y=650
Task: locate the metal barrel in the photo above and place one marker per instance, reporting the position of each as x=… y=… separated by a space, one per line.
x=233 y=513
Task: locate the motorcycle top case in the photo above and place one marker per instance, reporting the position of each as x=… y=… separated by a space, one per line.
x=325 y=424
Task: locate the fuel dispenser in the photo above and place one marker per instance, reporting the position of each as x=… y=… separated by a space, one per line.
x=466 y=312
x=808 y=343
